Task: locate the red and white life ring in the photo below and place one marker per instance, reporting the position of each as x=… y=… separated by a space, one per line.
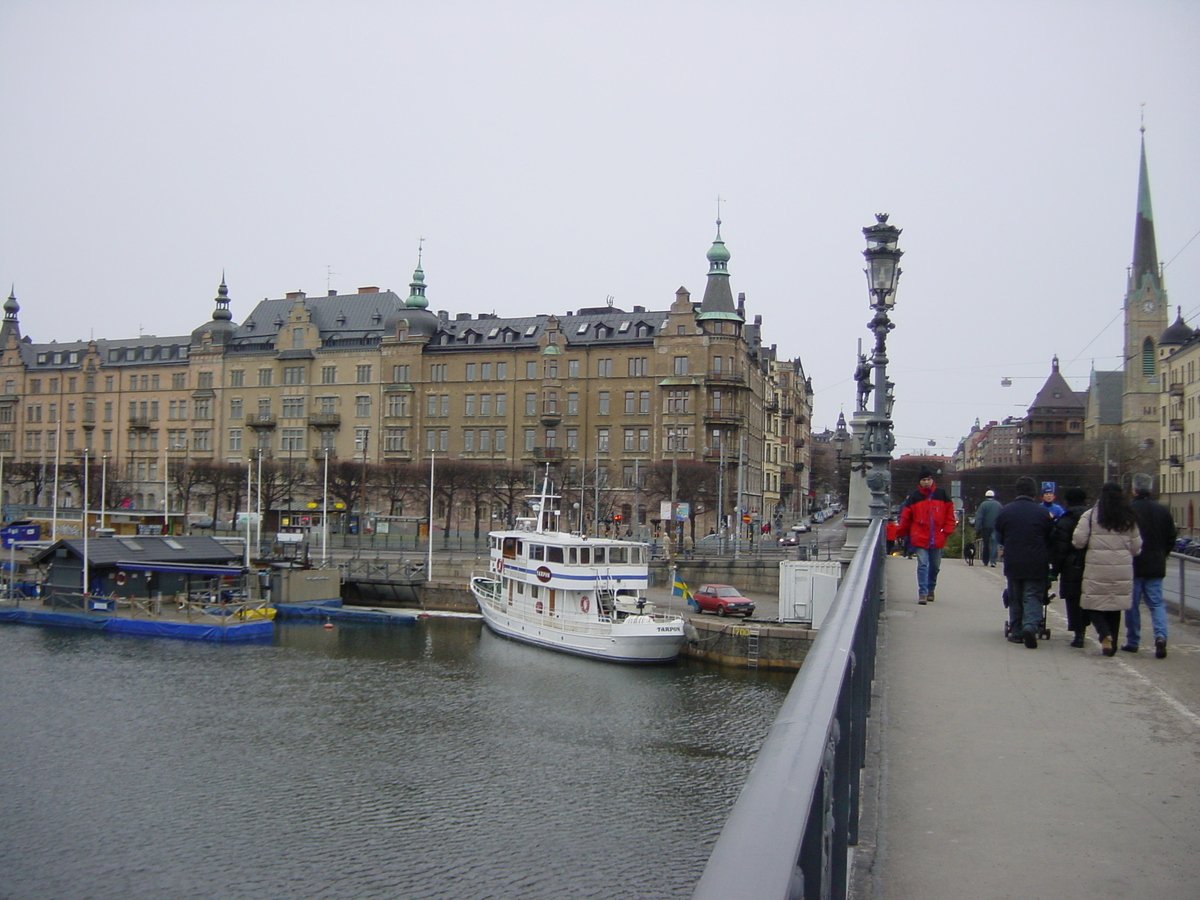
x=584 y=604
x=121 y=578
x=538 y=607
x=499 y=565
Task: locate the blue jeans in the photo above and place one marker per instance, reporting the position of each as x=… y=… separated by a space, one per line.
x=1025 y=607
x=928 y=564
x=1150 y=590
x=989 y=548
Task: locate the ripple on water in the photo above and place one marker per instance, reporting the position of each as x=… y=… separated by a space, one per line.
x=435 y=762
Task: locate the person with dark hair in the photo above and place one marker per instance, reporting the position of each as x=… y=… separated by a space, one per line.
x=1024 y=528
x=1109 y=531
x=1158 y=532
x=926 y=520
x=1066 y=561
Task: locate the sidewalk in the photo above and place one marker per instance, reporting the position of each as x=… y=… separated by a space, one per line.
x=1009 y=772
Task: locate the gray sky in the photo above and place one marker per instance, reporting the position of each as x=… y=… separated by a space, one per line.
x=555 y=153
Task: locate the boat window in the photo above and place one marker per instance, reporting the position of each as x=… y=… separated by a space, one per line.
x=616 y=554
x=585 y=556
x=510 y=548
x=554 y=554
x=520 y=587
x=537 y=551
x=572 y=555
x=533 y=591
x=635 y=555
x=598 y=553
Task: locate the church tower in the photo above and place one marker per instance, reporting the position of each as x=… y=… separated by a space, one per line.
x=1145 y=321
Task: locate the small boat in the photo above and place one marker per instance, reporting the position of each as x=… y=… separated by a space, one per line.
x=573 y=593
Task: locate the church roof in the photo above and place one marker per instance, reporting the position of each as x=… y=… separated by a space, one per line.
x=1057 y=395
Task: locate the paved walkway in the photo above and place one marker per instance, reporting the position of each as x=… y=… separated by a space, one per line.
x=1007 y=772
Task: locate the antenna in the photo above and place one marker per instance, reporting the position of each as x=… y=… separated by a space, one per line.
x=420 y=250
x=329 y=273
x=719 y=201
x=609 y=299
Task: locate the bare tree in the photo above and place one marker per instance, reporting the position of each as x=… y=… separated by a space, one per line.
x=402 y=483
x=696 y=485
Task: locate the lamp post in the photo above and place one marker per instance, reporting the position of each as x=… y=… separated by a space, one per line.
x=872 y=423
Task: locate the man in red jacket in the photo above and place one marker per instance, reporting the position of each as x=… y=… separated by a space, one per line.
x=926 y=519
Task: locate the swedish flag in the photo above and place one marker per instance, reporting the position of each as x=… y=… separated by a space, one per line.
x=679 y=589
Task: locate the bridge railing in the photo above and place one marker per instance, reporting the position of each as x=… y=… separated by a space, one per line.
x=790 y=830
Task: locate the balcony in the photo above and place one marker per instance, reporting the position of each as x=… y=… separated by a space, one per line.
x=325 y=420
x=399 y=455
x=789 y=411
x=724 y=378
x=771 y=406
x=1176 y=388
x=1174 y=461
x=548 y=454
x=721 y=416
x=1175 y=424
x=799 y=443
x=319 y=453
x=261 y=421
x=139 y=423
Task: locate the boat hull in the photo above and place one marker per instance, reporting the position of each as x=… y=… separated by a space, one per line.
x=641 y=640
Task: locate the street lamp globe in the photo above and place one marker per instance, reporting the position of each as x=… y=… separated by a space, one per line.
x=883 y=258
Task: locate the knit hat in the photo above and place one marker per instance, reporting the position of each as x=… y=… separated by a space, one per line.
x=925 y=472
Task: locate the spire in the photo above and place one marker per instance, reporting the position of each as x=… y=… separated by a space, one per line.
x=718 y=298
x=222 y=313
x=10 y=324
x=416 y=288
x=1145 y=249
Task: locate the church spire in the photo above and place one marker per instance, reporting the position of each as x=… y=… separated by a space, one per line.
x=1145 y=249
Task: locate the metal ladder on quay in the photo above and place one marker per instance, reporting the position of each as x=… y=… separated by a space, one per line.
x=752 y=647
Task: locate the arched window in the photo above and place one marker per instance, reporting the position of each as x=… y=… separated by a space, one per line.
x=1148 y=357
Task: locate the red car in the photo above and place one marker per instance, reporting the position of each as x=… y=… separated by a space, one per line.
x=723 y=599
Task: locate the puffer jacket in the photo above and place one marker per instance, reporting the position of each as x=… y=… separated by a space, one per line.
x=1108 y=570
x=927 y=518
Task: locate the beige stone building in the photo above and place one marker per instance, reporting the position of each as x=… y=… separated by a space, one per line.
x=599 y=394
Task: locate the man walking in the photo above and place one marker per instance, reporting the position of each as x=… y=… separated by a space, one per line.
x=926 y=519
x=985 y=527
x=1024 y=528
x=1149 y=567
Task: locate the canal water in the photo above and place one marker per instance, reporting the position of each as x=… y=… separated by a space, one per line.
x=435 y=762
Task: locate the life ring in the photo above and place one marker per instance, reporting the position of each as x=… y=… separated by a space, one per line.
x=537 y=607
x=584 y=604
x=499 y=565
x=121 y=578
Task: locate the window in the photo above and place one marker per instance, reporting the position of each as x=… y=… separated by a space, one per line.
x=469 y=440
x=292 y=407
x=291 y=439
x=108 y=384
x=398 y=405
x=264 y=408
x=328 y=374
x=108 y=410
x=602 y=440
x=501 y=404
x=501 y=370
x=235 y=440
x=678 y=438
x=203 y=408
x=717 y=364
x=681 y=365
x=550 y=404
x=572 y=368
x=204 y=380
x=604 y=368
x=551 y=437
x=362 y=440
x=531 y=369
x=471 y=369
x=572 y=439
x=362 y=374
x=362 y=406
x=531 y=404
x=179 y=381
x=70 y=412
x=485 y=440
x=603 y=403
x=572 y=403
x=264 y=377
x=1148 y=358
x=431 y=405
x=530 y=439
x=469 y=405
x=500 y=441
x=400 y=374
x=677 y=401
x=445 y=405
x=630 y=439
x=644 y=440
x=438 y=372
x=552 y=368
x=630 y=402
x=293 y=374
x=485 y=404
x=644 y=402
x=202 y=439
x=637 y=366
x=485 y=372
x=328 y=405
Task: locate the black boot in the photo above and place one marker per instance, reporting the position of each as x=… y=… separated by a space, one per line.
x=1078 y=642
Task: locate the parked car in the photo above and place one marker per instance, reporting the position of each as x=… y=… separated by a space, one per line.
x=723 y=599
x=801 y=528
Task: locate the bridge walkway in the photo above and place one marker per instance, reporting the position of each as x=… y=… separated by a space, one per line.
x=1011 y=772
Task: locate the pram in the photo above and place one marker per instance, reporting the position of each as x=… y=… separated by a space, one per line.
x=1043 y=630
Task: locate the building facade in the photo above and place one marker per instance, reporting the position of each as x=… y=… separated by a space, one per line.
x=600 y=395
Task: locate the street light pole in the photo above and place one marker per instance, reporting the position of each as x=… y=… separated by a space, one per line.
x=871 y=490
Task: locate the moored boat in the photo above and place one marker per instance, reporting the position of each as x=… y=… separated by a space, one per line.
x=574 y=594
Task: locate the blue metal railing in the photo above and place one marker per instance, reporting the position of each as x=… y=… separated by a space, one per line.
x=788 y=834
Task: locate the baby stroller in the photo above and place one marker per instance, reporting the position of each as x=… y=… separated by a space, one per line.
x=969 y=552
x=1043 y=630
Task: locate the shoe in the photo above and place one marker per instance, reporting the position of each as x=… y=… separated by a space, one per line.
x=1078 y=642
x=929 y=596
x=1160 y=648
x=921 y=600
x=1129 y=648
x=1016 y=638
x=1107 y=648
x=1029 y=636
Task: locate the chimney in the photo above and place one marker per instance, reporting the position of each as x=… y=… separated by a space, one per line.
x=332 y=293
x=370 y=289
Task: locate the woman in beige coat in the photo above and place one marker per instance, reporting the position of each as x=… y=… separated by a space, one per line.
x=1110 y=533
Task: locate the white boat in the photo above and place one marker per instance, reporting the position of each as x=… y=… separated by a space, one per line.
x=574 y=594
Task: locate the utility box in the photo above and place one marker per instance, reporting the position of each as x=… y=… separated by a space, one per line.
x=807 y=590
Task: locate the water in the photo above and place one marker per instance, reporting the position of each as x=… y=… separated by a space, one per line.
x=429 y=762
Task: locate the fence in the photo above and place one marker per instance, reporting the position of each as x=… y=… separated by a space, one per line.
x=790 y=830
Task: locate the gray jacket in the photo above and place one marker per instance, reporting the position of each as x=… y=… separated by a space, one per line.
x=985 y=516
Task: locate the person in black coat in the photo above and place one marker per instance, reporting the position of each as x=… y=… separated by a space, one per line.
x=1066 y=561
x=1149 y=567
x=1024 y=528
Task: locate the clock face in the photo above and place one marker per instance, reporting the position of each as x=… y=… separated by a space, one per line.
x=1148 y=306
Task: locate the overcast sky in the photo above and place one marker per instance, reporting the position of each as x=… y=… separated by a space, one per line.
x=554 y=154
